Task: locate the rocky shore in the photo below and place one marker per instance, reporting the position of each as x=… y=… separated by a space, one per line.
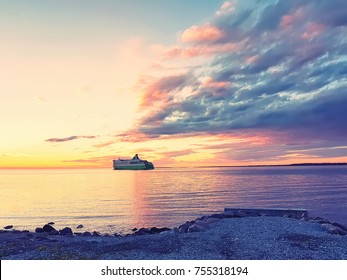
x=228 y=235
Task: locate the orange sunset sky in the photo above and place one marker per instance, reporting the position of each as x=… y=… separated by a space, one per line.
x=181 y=83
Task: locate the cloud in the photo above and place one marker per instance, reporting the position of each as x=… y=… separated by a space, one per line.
x=202 y=34
x=70 y=138
x=272 y=65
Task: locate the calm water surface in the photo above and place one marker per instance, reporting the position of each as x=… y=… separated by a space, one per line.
x=116 y=201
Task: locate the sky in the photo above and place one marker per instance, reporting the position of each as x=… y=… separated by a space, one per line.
x=181 y=83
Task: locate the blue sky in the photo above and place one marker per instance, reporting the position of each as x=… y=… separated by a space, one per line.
x=186 y=82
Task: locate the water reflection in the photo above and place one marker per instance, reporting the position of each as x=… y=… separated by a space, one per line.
x=113 y=201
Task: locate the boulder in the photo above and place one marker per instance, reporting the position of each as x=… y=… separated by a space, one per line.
x=66 y=231
x=340 y=226
x=212 y=220
x=39 y=230
x=196 y=228
x=50 y=223
x=155 y=230
x=8 y=227
x=142 y=231
x=54 y=232
x=330 y=228
x=228 y=215
x=184 y=228
x=320 y=220
x=218 y=216
x=48 y=228
x=80 y=226
x=241 y=213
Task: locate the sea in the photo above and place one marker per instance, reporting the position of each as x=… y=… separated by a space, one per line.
x=109 y=201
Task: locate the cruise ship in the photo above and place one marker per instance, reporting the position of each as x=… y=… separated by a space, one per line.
x=132 y=164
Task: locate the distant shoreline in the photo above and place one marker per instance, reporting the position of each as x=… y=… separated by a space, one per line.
x=264 y=165
x=170 y=167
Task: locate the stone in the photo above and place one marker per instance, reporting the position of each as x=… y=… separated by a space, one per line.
x=66 y=231
x=212 y=220
x=142 y=231
x=228 y=215
x=340 y=226
x=50 y=223
x=134 y=229
x=196 y=228
x=48 y=228
x=80 y=226
x=8 y=227
x=330 y=228
x=320 y=220
x=218 y=216
x=54 y=232
x=155 y=230
x=184 y=228
x=39 y=230
x=241 y=213
x=341 y=231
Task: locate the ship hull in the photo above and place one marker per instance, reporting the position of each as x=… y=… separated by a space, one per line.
x=133 y=167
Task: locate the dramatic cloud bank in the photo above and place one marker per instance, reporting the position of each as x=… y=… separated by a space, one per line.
x=267 y=65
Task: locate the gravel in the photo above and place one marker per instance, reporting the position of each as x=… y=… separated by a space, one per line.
x=248 y=238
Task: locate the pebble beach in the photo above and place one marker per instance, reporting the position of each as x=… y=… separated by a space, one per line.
x=216 y=237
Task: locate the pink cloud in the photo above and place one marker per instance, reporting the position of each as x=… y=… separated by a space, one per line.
x=181 y=52
x=313 y=29
x=202 y=34
x=211 y=83
x=288 y=21
x=251 y=59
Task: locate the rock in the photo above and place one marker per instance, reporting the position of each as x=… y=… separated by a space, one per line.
x=304 y=215
x=80 y=226
x=54 y=232
x=86 y=234
x=184 y=228
x=320 y=220
x=66 y=231
x=50 y=223
x=142 y=231
x=340 y=226
x=39 y=230
x=228 y=215
x=212 y=220
x=341 y=231
x=196 y=228
x=241 y=213
x=155 y=230
x=330 y=228
x=134 y=229
x=8 y=227
x=48 y=228
x=218 y=216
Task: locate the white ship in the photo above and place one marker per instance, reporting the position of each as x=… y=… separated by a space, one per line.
x=132 y=164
